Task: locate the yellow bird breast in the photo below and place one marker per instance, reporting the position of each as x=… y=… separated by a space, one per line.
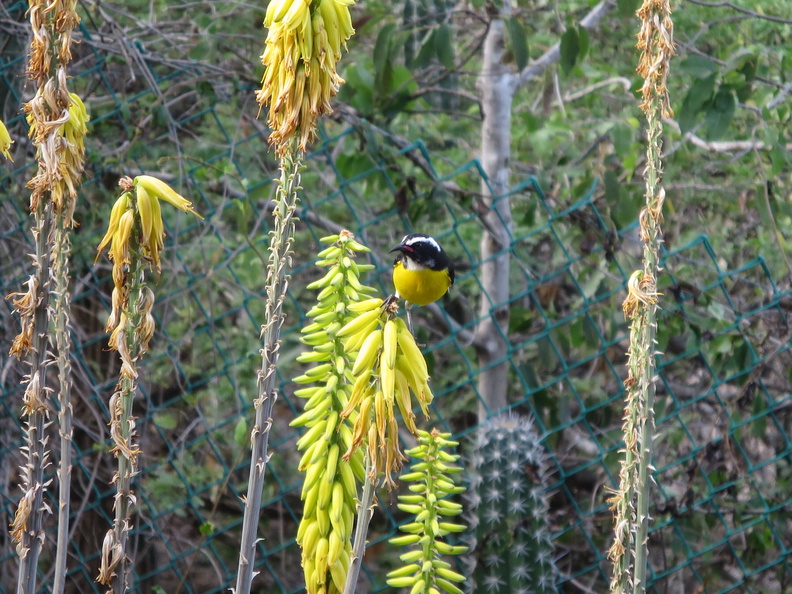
x=420 y=286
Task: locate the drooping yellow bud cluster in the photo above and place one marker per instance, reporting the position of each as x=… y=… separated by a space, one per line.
x=136 y=230
x=302 y=48
x=73 y=156
x=388 y=366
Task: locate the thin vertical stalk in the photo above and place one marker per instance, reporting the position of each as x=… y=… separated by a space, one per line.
x=61 y=325
x=122 y=430
x=365 y=511
x=53 y=191
x=28 y=526
x=31 y=344
x=277 y=284
x=655 y=40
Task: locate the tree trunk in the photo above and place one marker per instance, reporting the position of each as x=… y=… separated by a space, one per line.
x=497 y=91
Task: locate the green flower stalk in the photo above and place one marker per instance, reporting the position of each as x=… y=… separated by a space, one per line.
x=424 y=570
x=135 y=236
x=72 y=134
x=280 y=250
x=331 y=482
x=27 y=528
x=630 y=502
x=512 y=547
x=303 y=44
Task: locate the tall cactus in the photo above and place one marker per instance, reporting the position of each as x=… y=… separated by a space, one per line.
x=512 y=550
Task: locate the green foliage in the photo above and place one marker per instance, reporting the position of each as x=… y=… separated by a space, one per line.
x=627 y=8
x=519 y=42
x=574 y=47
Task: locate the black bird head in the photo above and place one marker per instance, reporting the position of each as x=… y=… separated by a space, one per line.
x=425 y=251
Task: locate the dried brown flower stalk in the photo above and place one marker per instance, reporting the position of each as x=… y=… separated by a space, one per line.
x=57 y=123
x=630 y=503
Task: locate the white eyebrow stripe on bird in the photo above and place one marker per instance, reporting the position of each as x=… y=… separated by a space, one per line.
x=430 y=240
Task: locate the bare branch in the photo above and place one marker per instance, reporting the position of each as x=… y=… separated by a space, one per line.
x=620 y=80
x=722 y=146
x=750 y=13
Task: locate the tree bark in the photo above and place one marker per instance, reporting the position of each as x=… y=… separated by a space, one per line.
x=497 y=87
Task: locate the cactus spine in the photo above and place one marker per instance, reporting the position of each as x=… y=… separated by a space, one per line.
x=512 y=550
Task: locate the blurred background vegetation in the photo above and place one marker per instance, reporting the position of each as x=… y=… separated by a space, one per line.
x=170 y=89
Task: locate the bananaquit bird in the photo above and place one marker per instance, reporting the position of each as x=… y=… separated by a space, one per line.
x=422 y=272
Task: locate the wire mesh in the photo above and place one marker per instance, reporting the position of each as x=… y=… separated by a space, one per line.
x=721 y=509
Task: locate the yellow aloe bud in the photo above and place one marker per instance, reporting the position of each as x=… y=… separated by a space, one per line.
x=78 y=111
x=77 y=127
x=119 y=208
x=297 y=13
x=5 y=141
x=276 y=10
x=119 y=248
x=159 y=189
x=330 y=28
x=156 y=243
x=146 y=213
x=341 y=8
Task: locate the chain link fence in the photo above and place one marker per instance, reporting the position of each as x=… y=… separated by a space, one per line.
x=721 y=506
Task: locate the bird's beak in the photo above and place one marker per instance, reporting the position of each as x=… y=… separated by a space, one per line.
x=401 y=248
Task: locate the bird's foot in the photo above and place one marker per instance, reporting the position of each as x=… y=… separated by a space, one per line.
x=410 y=328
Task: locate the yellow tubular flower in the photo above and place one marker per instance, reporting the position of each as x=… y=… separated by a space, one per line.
x=77 y=127
x=146 y=213
x=136 y=230
x=5 y=141
x=119 y=208
x=159 y=189
x=156 y=242
x=302 y=48
x=119 y=247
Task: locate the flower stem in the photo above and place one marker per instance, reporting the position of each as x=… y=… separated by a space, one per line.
x=61 y=325
x=365 y=511
x=631 y=502
x=277 y=283
x=122 y=429
x=27 y=527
